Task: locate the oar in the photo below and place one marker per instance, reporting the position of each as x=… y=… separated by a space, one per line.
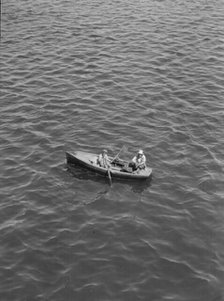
x=109 y=175
x=117 y=154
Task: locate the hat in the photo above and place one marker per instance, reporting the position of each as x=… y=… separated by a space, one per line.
x=140 y=152
x=104 y=151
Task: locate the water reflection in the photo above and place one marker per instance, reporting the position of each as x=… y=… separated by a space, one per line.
x=81 y=173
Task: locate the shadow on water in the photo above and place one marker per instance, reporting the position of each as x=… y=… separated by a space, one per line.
x=81 y=173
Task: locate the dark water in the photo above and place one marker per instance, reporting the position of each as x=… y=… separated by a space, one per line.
x=92 y=74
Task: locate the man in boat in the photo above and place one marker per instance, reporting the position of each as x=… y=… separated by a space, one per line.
x=139 y=161
x=103 y=159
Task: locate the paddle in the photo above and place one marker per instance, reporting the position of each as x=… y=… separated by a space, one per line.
x=109 y=175
x=117 y=154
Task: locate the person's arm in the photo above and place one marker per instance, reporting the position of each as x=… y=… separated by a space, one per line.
x=107 y=158
x=143 y=162
x=134 y=160
x=107 y=161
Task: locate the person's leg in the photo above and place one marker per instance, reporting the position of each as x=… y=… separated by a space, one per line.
x=132 y=165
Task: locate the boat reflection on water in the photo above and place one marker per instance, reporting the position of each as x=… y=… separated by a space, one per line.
x=81 y=173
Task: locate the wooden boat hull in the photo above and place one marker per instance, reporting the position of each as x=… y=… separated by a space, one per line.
x=89 y=161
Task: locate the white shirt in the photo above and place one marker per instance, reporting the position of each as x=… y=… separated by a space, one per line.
x=139 y=159
x=103 y=161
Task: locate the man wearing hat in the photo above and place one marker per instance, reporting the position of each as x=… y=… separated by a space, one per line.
x=139 y=161
x=103 y=159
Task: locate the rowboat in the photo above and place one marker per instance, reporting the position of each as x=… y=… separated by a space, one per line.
x=117 y=170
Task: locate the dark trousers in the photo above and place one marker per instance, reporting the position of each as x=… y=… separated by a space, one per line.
x=134 y=166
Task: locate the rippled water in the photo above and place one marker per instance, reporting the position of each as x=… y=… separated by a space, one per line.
x=91 y=74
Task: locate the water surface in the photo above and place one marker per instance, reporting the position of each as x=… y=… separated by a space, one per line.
x=86 y=75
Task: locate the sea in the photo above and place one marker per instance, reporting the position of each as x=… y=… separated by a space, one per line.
x=122 y=75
